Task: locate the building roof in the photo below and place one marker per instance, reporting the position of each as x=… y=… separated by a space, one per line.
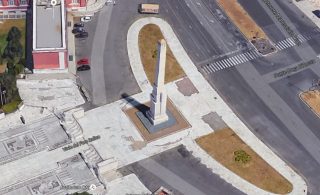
x=49 y=27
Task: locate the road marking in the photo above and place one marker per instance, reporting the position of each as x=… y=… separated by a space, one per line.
x=249 y=55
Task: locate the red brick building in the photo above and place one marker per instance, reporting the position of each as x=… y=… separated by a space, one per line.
x=14 y=4
x=49 y=34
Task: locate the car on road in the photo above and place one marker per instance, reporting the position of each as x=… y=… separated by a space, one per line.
x=78 y=24
x=83 y=61
x=78 y=30
x=86 y=19
x=83 y=67
x=317 y=13
x=82 y=35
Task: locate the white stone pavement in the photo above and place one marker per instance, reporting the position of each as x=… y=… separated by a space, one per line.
x=127 y=185
x=205 y=103
x=118 y=134
x=307 y=6
x=42 y=95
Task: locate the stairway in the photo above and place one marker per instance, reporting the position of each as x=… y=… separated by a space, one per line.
x=91 y=156
x=72 y=127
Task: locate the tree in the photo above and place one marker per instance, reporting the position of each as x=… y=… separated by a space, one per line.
x=13 y=51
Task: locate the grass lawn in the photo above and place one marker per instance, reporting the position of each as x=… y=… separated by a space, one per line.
x=312 y=99
x=148 y=37
x=11 y=107
x=229 y=150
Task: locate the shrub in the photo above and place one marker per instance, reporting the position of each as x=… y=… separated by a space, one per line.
x=241 y=156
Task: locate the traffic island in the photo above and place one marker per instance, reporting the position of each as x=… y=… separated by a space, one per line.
x=247 y=26
x=229 y=150
x=176 y=122
x=312 y=100
x=149 y=35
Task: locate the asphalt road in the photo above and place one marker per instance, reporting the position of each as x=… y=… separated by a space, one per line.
x=177 y=170
x=271 y=108
x=110 y=75
x=268 y=106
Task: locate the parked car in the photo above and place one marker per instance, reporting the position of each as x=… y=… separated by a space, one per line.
x=78 y=30
x=83 y=61
x=317 y=13
x=79 y=24
x=82 y=35
x=86 y=19
x=83 y=67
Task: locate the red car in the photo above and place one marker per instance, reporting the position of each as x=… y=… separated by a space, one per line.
x=83 y=61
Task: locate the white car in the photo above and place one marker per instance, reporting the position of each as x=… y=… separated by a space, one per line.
x=86 y=19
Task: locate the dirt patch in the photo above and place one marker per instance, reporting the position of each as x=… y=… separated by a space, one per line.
x=242 y=20
x=312 y=99
x=148 y=37
x=228 y=149
x=181 y=122
x=186 y=87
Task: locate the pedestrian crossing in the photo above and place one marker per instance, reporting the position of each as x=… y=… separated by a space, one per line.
x=229 y=62
x=289 y=42
x=249 y=55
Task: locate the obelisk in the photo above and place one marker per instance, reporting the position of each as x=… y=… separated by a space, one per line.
x=158 y=104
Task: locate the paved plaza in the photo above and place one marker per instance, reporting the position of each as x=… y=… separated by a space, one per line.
x=45 y=134
x=71 y=175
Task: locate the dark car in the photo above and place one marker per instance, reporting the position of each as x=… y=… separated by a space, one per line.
x=79 y=24
x=82 y=35
x=317 y=13
x=83 y=68
x=78 y=30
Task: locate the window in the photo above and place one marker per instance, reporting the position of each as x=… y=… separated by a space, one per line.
x=75 y=1
x=0 y=2
x=23 y=2
x=11 y=2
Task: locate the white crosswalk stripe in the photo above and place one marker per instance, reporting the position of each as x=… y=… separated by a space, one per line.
x=301 y=38
x=236 y=59
x=212 y=68
x=205 y=69
x=224 y=64
x=244 y=57
x=233 y=61
x=290 y=40
x=250 y=55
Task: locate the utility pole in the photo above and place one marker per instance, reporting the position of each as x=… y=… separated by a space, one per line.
x=1 y=99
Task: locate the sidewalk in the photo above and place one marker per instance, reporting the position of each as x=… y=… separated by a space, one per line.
x=204 y=104
x=307 y=6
